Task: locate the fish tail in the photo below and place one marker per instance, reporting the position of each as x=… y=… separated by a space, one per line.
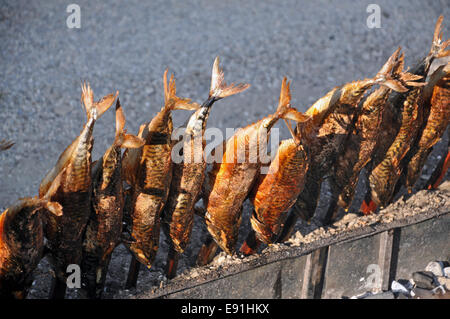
x=392 y=76
x=438 y=46
x=219 y=89
x=95 y=109
x=171 y=100
x=284 y=109
x=122 y=139
x=284 y=102
x=54 y=208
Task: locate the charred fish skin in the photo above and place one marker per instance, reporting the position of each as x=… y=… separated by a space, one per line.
x=384 y=177
x=105 y=223
x=435 y=97
x=435 y=127
x=228 y=184
x=361 y=142
x=392 y=119
x=188 y=176
x=149 y=172
x=22 y=244
x=333 y=116
x=69 y=184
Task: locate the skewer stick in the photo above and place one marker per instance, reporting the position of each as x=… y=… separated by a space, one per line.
x=207 y=251
x=133 y=273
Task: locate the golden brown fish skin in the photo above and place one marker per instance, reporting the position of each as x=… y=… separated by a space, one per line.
x=150 y=193
x=72 y=188
x=228 y=184
x=188 y=176
x=435 y=127
x=275 y=193
x=105 y=224
x=231 y=183
x=150 y=177
x=21 y=245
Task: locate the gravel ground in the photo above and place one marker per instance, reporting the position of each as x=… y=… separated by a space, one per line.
x=126 y=46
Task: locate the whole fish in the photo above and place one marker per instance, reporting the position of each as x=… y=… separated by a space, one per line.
x=360 y=144
x=436 y=124
x=22 y=244
x=333 y=117
x=392 y=121
x=105 y=223
x=229 y=182
x=275 y=192
x=69 y=183
x=188 y=176
x=148 y=170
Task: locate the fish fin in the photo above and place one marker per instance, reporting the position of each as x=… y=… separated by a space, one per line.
x=141 y=130
x=105 y=103
x=300 y=118
x=292 y=114
x=392 y=76
x=219 y=89
x=95 y=109
x=291 y=130
x=122 y=139
x=54 y=207
x=284 y=102
x=394 y=62
x=87 y=98
x=438 y=47
x=437 y=29
x=394 y=85
x=171 y=100
x=131 y=141
x=120 y=119
x=4 y=145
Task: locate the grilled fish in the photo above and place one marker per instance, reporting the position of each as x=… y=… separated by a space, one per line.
x=188 y=176
x=361 y=142
x=392 y=120
x=148 y=170
x=333 y=117
x=105 y=223
x=22 y=244
x=228 y=184
x=275 y=192
x=436 y=124
x=69 y=183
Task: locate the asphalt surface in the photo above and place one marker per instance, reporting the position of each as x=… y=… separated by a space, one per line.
x=126 y=46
